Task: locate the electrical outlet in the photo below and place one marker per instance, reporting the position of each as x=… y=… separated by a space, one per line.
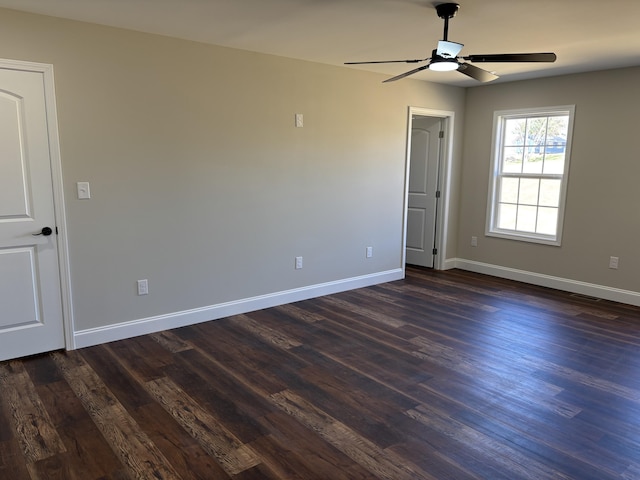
x=474 y=241
x=298 y=263
x=613 y=262
x=369 y=252
x=299 y=120
x=143 y=287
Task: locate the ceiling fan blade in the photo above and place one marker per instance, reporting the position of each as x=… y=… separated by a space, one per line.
x=513 y=57
x=448 y=49
x=406 y=74
x=476 y=73
x=388 y=61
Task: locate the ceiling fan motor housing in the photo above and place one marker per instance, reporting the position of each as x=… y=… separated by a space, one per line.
x=447 y=10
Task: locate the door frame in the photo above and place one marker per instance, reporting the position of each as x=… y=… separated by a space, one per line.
x=444 y=182
x=58 y=190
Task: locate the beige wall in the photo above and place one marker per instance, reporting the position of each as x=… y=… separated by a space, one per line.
x=199 y=180
x=602 y=216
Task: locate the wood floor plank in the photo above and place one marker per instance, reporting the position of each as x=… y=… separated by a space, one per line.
x=576 y=454
x=229 y=451
x=181 y=450
x=146 y=355
x=517 y=417
x=398 y=370
x=497 y=379
x=131 y=445
x=170 y=341
x=31 y=422
x=508 y=459
x=12 y=461
x=51 y=468
x=294 y=311
x=211 y=384
x=379 y=462
x=372 y=314
x=88 y=455
x=122 y=385
x=363 y=404
x=311 y=459
x=7 y=431
x=244 y=352
x=265 y=333
x=437 y=463
x=632 y=472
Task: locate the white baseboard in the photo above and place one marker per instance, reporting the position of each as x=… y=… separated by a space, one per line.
x=450 y=263
x=143 y=326
x=559 y=283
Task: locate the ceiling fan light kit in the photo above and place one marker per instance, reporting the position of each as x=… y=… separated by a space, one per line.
x=441 y=64
x=445 y=58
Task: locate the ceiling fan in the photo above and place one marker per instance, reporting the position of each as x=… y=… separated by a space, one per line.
x=445 y=57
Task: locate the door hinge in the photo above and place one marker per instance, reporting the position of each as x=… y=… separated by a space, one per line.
x=441 y=134
x=435 y=251
x=438 y=194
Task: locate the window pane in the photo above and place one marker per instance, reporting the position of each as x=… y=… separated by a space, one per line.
x=526 y=221
x=512 y=159
x=529 y=191
x=533 y=161
x=509 y=190
x=507 y=216
x=554 y=163
x=536 y=131
x=558 y=127
x=514 y=131
x=550 y=193
x=556 y=144
x=547 y=221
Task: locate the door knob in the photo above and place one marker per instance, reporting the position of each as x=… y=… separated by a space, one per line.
x=46 y=231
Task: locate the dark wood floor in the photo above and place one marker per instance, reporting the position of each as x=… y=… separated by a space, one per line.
x=444 y=375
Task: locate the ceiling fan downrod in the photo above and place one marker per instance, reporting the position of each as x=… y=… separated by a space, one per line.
x=447 y=11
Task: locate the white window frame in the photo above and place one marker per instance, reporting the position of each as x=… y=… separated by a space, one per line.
x=499 y=120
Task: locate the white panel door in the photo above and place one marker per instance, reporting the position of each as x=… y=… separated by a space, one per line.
x=423 y=185
x=30 y=297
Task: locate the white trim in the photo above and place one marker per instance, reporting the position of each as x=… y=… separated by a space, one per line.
x=444 y=182
x=450 y=263
x=58 y=189
x=143 y=326
x=60 y=210
x=568 y=285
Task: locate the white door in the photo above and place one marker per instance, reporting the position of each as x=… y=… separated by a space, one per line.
x=30 y=297
x=423 y=186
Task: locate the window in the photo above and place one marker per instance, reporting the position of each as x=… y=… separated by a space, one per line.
x=530 y=162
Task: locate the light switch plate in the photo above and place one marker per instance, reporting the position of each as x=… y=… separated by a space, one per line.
x=83 y=190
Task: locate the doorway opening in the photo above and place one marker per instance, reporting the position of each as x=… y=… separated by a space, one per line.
x=428 y=165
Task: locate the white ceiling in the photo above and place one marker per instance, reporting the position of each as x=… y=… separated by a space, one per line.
x=585 y=34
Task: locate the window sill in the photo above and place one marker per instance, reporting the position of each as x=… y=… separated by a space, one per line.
x=524 y=237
